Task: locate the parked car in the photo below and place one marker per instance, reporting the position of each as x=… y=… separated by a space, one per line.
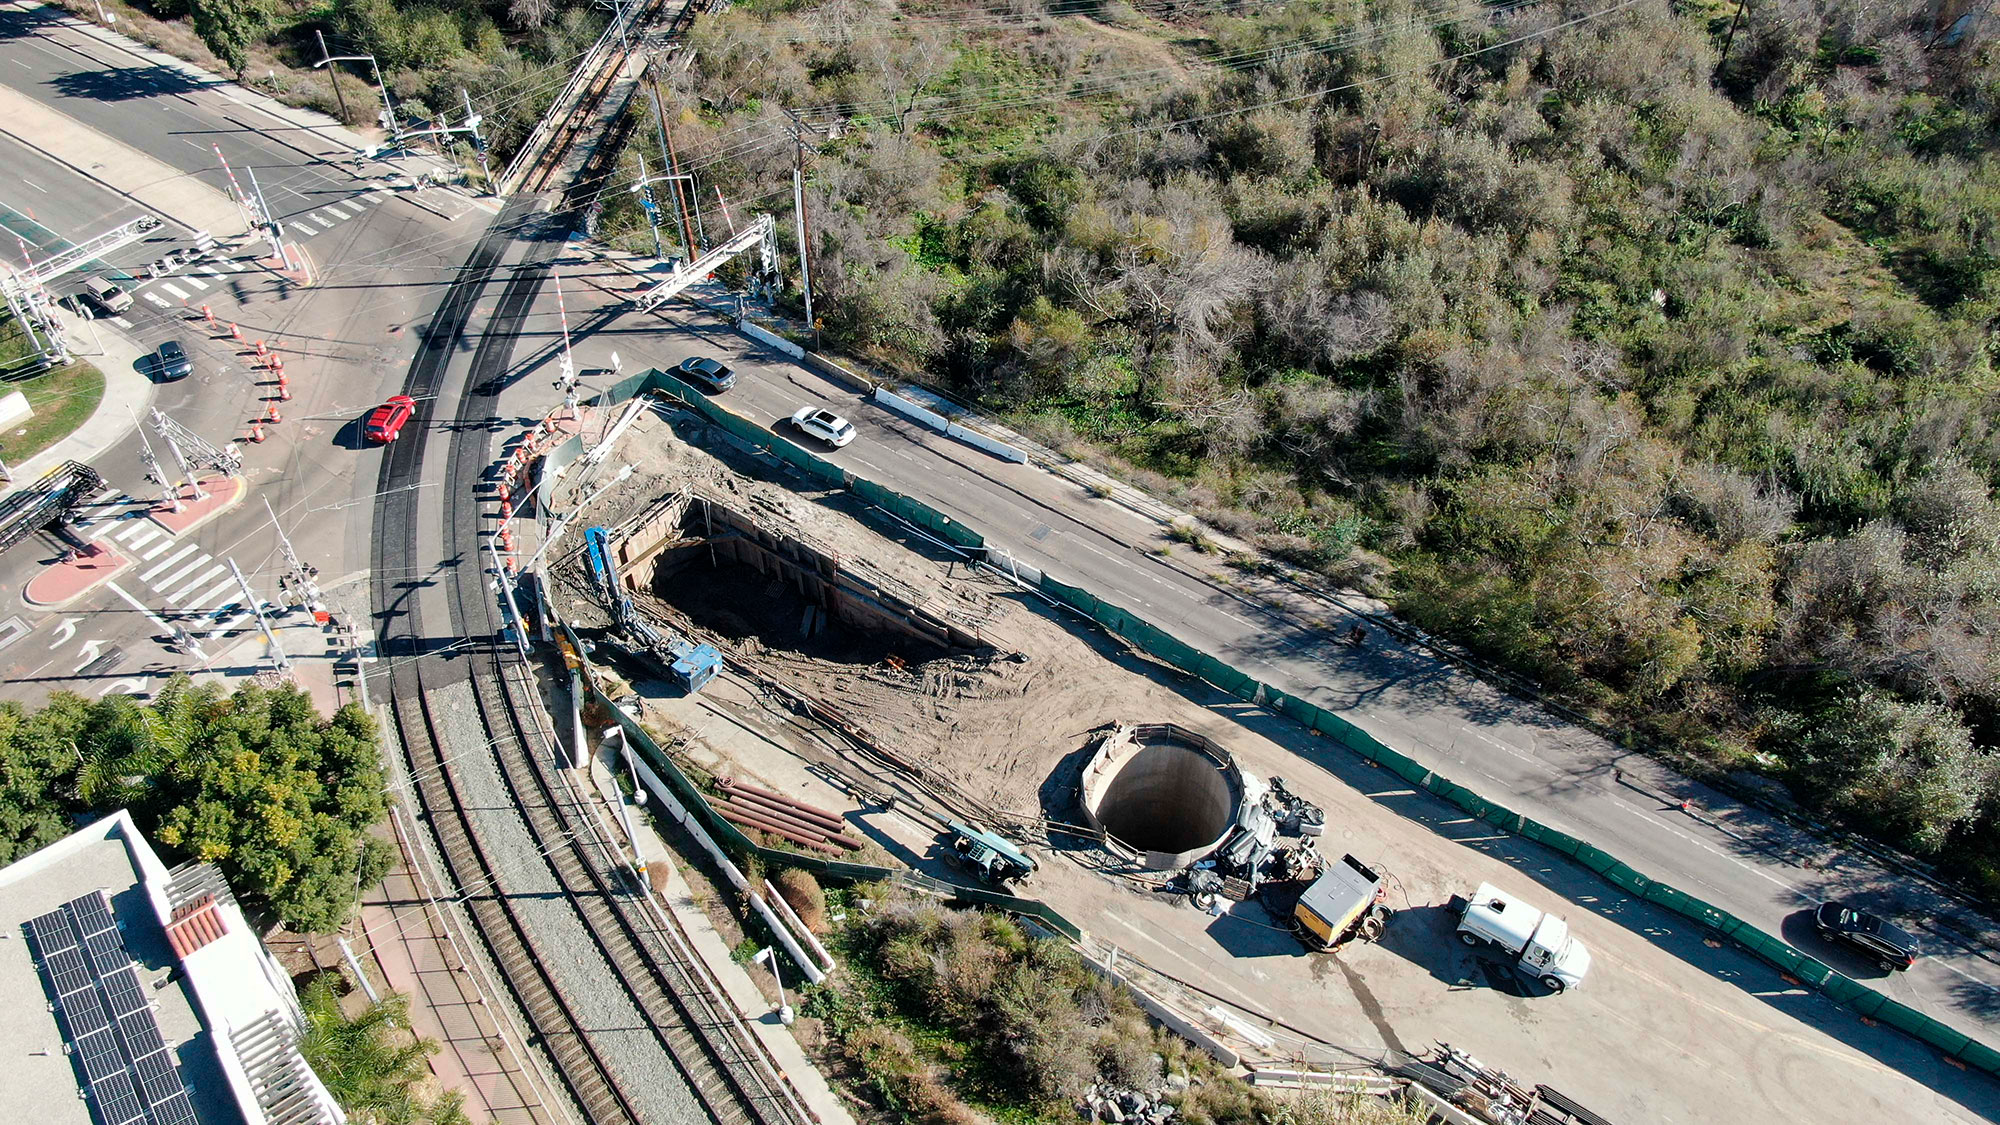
x=714 y=374
x=386 y=422
x=174 y=362
x=1890 y=946
x=824 y=424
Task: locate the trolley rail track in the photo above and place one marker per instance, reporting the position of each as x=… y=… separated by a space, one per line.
x=585 y=1074
x=697 y=1029
x=555 y=147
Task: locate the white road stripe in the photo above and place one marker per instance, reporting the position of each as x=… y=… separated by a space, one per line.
x=99 y=531
x=195 y=281
x=181 y=595
x=177 y=293
x=164 y=544
x=155 y=298
x=229 y=624
x=322 y=213
x=139 y=534
x=184 y=552
x=121 y=321
x=211 y=271
x=211 y=597
x=168 y=582
x=300 y=223
x=141 y=607
x=349 y=205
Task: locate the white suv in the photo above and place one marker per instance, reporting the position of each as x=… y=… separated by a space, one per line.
x=823 y=424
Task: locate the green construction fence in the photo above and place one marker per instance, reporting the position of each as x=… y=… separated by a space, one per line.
x=1155 y=641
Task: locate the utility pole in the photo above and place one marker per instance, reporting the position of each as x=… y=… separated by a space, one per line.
x=264 y=623
x=645 y=189
x=276 y=233
x=169 y=494
x=302 y=581
x=506 y=584
x=388 y=115
x=472 y=121
x=331 y=75
x=695 y=250
x=799 y=209
x=566 y=382
x=160 y=427
x=1730 y=39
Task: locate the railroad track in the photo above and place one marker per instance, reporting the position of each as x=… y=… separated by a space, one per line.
x=555 y=147
x=584 y=1073
x=697 y=1030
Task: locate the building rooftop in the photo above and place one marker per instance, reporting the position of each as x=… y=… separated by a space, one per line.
x=79 y=989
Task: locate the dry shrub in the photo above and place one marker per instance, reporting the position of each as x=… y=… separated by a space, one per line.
x=904 y=1082
x=802 y=893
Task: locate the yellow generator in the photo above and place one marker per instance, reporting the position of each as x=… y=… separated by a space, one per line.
x=1344 y=902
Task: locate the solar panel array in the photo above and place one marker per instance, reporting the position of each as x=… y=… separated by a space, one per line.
x=114 y=1039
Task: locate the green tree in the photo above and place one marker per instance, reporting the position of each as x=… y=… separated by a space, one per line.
x=371 y=1064
x=229 y=27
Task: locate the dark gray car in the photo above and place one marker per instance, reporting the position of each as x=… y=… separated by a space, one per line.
x=714 y=374
x=174 y=362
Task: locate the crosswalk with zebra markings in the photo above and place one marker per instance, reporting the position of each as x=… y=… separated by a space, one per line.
x=184 y=286
x=197 y=587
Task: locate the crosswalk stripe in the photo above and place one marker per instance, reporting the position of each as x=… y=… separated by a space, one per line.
x=300 y=222
x=139 y=534
x=349 y=206
x=195 y=281
x=121 y=322
x=99 y=531
x=211 y=271
x=155 y=298
x=211 y=596
x=184 y=552
x=180 y=596
x=174 y=291
x=323 y=212
x=229 y=624
x=168 y=582
x=156 y=551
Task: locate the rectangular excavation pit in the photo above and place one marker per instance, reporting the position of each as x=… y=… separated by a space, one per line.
x=732 y=574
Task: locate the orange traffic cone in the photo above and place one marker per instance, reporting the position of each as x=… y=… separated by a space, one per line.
x=208 y=314
x=235 y=333
x=257 y=432
x=506 y=493
x=260 y=348
x=271 y=413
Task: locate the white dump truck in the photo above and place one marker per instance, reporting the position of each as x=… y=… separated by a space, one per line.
x=1540 y=943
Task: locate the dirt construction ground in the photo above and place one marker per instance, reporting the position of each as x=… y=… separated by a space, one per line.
x=1669 y=1027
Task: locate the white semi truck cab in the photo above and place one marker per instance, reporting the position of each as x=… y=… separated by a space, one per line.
x=1540 y=943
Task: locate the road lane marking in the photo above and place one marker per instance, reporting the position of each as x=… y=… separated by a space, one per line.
x=184 y=552
x=179 y=596
x=35 y=185
x=211 y=271
x=165 y=544
x=155 y=298
x=349 y=206
x=298 y=222
x=210 y=596
x=195 y=281
x=141 y=607
x=321 y=216
x=176 y=292
x=138 y=533
x=224 y=628
x=121 y=322
x=101 y=529
x=169 y=582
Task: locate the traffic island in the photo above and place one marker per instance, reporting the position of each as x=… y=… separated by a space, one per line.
x=218 y=495
x=71 y=578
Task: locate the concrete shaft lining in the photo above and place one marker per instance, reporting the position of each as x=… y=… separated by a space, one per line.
x=1168 y=794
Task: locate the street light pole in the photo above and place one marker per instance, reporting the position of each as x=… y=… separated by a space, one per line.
x=332 y=76
x=388 y=107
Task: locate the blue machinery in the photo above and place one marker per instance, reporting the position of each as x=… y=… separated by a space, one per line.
x=693 y=665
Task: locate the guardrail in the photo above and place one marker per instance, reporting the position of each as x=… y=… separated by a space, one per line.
x=1156 y=642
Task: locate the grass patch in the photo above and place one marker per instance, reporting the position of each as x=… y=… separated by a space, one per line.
x=62 y=398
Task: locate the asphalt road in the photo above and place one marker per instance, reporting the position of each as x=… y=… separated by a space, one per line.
x=381 y=264
x=1736 y=858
